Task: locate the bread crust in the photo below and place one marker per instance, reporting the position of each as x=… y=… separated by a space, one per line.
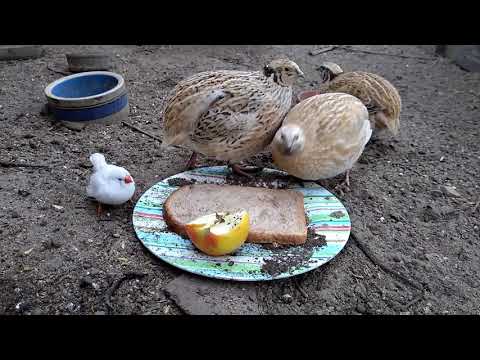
x=254 y=236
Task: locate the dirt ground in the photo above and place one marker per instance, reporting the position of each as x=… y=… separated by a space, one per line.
x=65 y=261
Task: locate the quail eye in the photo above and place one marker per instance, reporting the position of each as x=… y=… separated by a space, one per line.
x=120 y=179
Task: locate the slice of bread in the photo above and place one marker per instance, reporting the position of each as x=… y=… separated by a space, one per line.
x=276 y=216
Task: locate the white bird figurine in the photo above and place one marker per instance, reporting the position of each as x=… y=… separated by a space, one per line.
x=109 y=184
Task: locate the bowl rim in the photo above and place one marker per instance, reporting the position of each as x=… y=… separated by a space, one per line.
x=49 y=94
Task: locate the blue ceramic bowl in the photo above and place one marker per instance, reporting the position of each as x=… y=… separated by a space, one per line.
x=87 y=97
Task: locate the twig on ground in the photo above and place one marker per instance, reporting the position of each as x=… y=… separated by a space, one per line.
x=116 y=284
x=414 y=301
x=381 y=265
x=7 y=165
x=57 y=71
x=141 y=131
x=357 y=276
x=133 y=127
x=299 y=287
x=385 y=54
x=476 y=207
x=19 y=116
x=322 y=50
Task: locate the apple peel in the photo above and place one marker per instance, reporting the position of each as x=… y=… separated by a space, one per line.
x=219 y=233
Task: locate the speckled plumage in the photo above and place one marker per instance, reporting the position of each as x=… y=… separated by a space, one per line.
x=229 y=115
x=333 y=130
x=377 y=94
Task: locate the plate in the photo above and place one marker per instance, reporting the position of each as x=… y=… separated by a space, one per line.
x=327 y=217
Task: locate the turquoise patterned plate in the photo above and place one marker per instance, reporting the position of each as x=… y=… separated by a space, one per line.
x=252 y=262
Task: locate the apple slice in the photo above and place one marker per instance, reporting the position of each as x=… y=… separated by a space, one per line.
x=220 y=233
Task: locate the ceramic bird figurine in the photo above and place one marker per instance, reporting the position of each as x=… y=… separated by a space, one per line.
x=377 y=94
x=322 y=137
x=230 y=115
x=109 y=184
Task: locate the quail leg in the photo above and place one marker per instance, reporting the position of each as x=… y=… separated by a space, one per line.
x=297 y=181
x=191 y=162
x=99 y=209
x=243 y=171
x=345 y=182
x=347 y=178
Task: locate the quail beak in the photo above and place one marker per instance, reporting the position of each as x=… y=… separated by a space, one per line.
x=128 y=179
x=288 y=150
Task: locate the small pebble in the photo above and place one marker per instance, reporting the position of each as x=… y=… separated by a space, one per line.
x=85 y=282
x=287 y=298
x=58 y=207
x=54 y=244
x=450 y=191
x=396 y=258
x=361 y=309
x=99 y=313
x=23 y=193
x=116 y=235
x=37 y=311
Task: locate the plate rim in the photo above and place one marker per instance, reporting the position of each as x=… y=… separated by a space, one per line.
x=283 y=275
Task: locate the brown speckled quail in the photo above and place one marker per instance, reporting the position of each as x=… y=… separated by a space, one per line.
x=377 y=94
x=230 y=115
x=322 y=137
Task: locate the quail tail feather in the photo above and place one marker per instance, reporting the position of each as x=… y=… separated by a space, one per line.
x=198 y=104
